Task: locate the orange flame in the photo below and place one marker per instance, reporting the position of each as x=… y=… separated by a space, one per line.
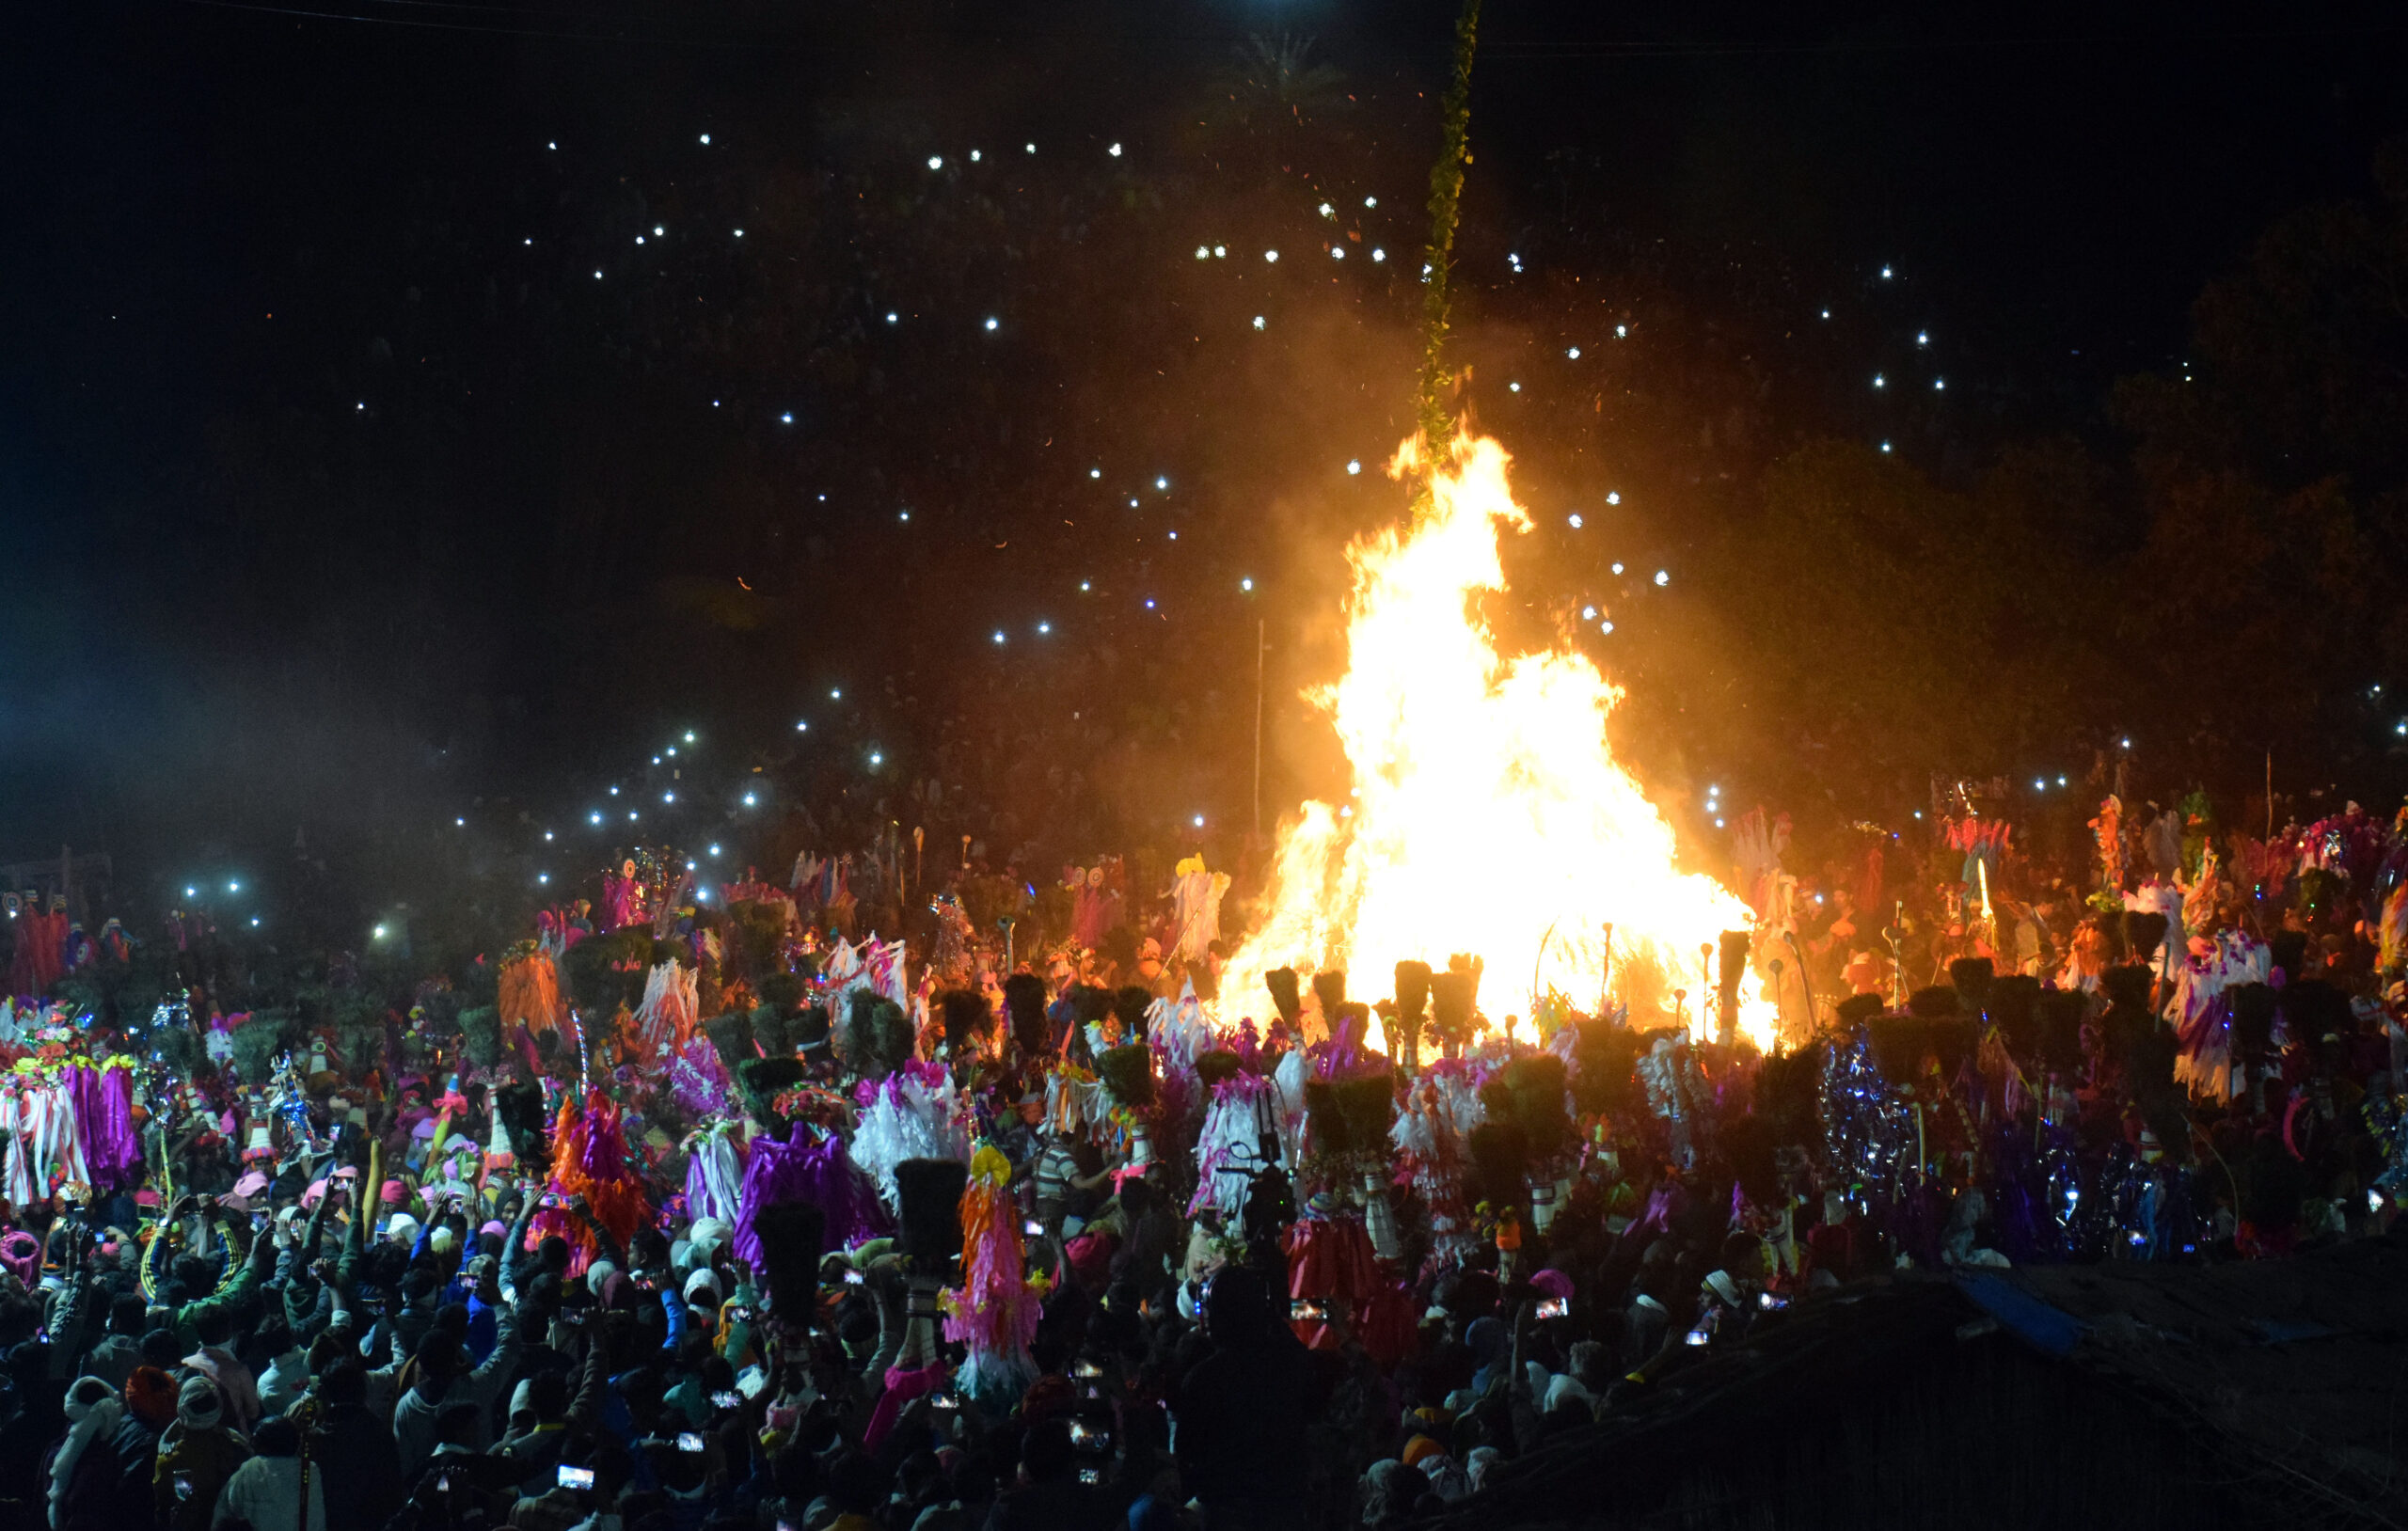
x=1488 y=814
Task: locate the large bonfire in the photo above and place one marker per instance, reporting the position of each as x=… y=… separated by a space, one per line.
x=1488 y=815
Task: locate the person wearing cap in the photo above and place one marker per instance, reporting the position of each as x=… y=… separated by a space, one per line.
x=197 y=1454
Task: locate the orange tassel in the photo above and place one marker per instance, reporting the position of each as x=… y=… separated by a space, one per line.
x=530 y=992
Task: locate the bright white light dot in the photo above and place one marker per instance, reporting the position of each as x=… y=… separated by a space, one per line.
x=255 y=919
x=894 y=317
x=1826 y=313
x=1113 y=151
x=1574 y=519
x=1588 y=613
x=936 y=162
x=1717 y=824
x=667 y=796
x=547 y=835
x=1370 y=201
x=876 y=759
x=631 y=816
x=1354 y=466
x=1160 y=482
x=543 y=876
x=1663 y=576
x=1043 y=628
x=973 y=159
x=2127 y=744
x=1174 y=536
x=993 y=323
x=658 y=230
x=1338 y=252
x=835 y=695
x=1133 y=504
x=706 y=137
x=1512 y=388
x=638 y=239
x=597 y=275
x=999 y=636
x=2061 y=780
x=1258 y=321
x=378 y=933
x=1885 y=447
x=1617 y=568
x=192 y=892
x=529 y=242
x=1084 y=585
x=748 y=799
x=595 y=818
x=1620 y=330
x=1878 y=381
x=1938 y=384
x=1272 y=256
x=233 y=887
x=2039 y=785
x=690 y=735
x=1245 y=584
x=787 y=418
x=1571 y=352
x=1198 y=821
x=802 y=727
x=462 y=823
x=1921 y=338
x=904 y=516
x=1378 y=255
x=1149 y=602
x=714 y=850
x=1032 y=148
x=739 y=233
x=614 y=792
x=1203 y=252
x=1327 y=211
x=1220 y=252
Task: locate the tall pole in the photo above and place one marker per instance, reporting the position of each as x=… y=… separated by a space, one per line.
x=1446 y=200
x=1258 y=647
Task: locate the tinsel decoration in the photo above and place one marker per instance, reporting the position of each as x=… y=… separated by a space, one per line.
x=1431 y=1138
x=916 y=1113
x=670 y=1007
x=528 y=993
x=1228 y=1148
x=810 y=1167
x=589 y=1160
x=994 y=1313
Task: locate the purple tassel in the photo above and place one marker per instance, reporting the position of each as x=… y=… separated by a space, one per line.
x=819 y=1173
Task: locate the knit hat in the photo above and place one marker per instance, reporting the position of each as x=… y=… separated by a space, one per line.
x=197 y=1405
x=150 y=1395
x=402 y=1229
x=442 y=1241
x=703 y=1280
x=395 y=1193
x=598 y=1273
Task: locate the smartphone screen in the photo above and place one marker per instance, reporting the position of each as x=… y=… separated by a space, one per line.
x=852 y=1278
x=1090 y=1475
x=688 y=1441
x=1033 y=1228
x=184 y=1485
x=726 y=1400
x=576 y=1478
x=1304 y=1310
x=1553 y=1308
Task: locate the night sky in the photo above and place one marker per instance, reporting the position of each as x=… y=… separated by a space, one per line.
x=350 y=506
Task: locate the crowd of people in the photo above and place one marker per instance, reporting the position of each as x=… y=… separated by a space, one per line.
x=705 y=1209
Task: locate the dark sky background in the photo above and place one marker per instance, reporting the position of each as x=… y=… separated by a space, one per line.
x=345 y=502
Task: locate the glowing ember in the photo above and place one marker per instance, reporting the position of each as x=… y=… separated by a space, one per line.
x=1489 y=816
